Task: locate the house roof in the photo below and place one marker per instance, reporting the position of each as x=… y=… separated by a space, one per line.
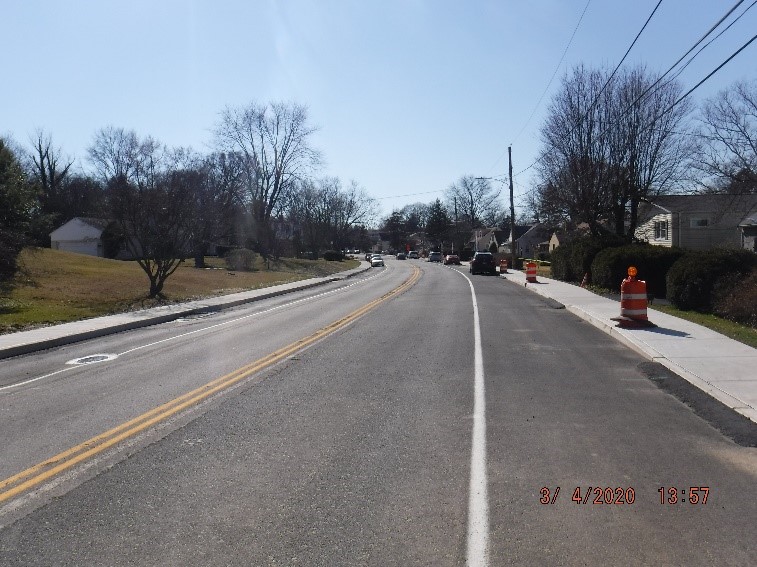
x=718 y=203
x=102 y=224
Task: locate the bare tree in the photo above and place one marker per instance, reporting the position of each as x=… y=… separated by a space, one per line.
x=727 y=154
x=50 y=171
x=151 y=198
x=326 y=213
x=114 y=153
x=476 y=201
x=608 y=143
x=274 y=140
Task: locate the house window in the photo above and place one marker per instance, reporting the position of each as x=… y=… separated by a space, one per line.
x=661 y=230
x=699 y=222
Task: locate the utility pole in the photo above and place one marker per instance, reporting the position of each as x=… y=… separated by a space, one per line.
x=456 y=234
x=512 y=208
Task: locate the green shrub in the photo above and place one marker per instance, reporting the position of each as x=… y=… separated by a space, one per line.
x=570 y=261
x=610 y=266
x=736 y=299
x=333 y=256
x=698 y=278
x=240 y=259
x=560 y=265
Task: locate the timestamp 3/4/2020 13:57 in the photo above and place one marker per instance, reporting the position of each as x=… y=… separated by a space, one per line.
x=620 y=496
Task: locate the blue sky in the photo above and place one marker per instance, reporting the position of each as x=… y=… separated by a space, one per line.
x=409 y=95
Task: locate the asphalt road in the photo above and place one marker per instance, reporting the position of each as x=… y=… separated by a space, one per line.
x=360 y=448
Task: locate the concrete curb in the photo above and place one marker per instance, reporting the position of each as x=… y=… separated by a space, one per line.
x=25 y=342
x=573 y=298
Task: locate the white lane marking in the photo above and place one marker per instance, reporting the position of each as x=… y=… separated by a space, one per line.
x=309 y=298
x=25 y=382
x=478 y=501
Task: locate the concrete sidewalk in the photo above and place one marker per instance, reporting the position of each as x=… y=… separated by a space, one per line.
x=723 y=368
x=24 y=342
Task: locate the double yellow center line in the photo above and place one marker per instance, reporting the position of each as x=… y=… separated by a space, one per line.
x=44 y=471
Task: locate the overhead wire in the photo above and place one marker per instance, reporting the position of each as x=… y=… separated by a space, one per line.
x=732 y=56
x=549 y=84
x=596 y=99
x=715 y=26
x=554 y=73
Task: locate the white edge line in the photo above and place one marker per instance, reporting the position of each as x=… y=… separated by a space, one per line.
x=478 y=501
x=309 y=298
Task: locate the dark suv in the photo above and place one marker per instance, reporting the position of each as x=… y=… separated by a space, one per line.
x=483 y=263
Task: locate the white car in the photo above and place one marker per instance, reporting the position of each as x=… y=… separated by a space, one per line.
x=376 y=261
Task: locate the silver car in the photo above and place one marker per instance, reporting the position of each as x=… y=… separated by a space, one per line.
x=376 y=261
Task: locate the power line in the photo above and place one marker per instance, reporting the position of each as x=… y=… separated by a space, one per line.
x=557 y=68
x=596 y=99
x=630 y=47
x=549 y=84
x=673 y=66
x=700 y=83
x=409 y=194
x=537 y=160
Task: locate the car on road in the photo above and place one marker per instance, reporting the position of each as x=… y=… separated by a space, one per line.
x=376 y=261
x=434 y=256
x=413 y=255
x=401 y=256
x=483 y=263
x=452 y=259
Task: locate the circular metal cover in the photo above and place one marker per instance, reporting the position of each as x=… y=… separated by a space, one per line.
x=92 y=359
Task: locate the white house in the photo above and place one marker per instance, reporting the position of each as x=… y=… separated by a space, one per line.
x=698 y=222
x=80 y=235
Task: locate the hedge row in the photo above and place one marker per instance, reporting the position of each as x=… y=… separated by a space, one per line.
x=702 y=279
x=610 y=266
x=720 y=281
x=572 y=260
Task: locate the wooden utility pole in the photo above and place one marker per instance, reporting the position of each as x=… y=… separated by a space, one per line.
x=512 y=208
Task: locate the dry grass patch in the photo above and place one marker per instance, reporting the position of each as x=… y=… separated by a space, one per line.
x=54 y=286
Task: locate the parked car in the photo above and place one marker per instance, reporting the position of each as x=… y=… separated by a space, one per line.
x=452 y=259
x=483 y=263
x=413 y=255
x=401 y=256
x=434 y=256
x=376 y=261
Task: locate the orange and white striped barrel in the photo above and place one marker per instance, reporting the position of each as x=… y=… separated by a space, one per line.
x=633 y=299
x=531 y=272
x=503 y=266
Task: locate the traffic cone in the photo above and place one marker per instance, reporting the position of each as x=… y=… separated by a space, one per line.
x=633 y=302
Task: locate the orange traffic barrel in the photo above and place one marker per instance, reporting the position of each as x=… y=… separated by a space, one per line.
x=633 y=302
x=503 y=266
x=531 y=272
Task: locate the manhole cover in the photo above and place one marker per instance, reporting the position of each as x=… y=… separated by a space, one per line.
x=92 y=359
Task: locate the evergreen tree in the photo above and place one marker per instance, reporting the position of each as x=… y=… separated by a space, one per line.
x=17 y=202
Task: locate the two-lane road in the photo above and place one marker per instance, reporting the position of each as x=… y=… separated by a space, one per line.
x=381 y=442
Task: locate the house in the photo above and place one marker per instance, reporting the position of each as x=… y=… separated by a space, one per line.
x=566 y=235
x=699 y=222
x=530 y=240
x=482 y=239
x=748 y=228
x=81 y=235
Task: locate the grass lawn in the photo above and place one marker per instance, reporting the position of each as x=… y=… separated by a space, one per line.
x=55 y=287
x=735 y=331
